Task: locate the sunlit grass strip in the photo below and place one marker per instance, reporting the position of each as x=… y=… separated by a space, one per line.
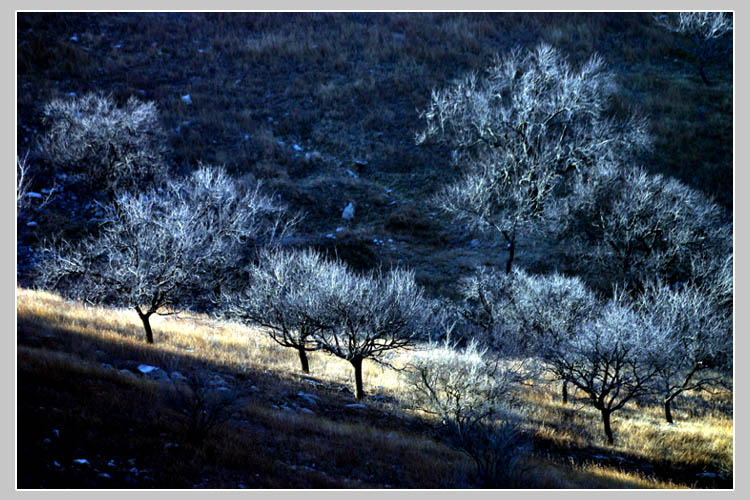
x=640 y=431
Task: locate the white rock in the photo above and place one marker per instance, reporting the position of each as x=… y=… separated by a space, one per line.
x=145 y=369
x=297 y=147
x=81 y=461
x=339 y=229
x=74 y=37
x=32 y=224
x=331 y=236
x=186 y=99
x=355 y=405
x=348 y=213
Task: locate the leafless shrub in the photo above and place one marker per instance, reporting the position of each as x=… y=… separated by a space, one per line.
x=163 y=250
x=629 y=227
x=537 y=315
x=201 y=406
x=105 y=145
x=519 y=131
x=471 y=391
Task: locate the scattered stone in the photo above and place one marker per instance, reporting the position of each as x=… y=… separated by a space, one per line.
x=708 y=474
x=339 y=229
x=474 y=243
x=32 y=224
x=107 y=366
x=297 y=147
x=178 y=376
x=187 y=99
x=306 y=410
x=81 y=461
x=127 y=372
x=56 y=433
x=146 y=369
x=105 y=475
x=74 y=38
x=356 y=405
x=348 y=213
x=310 y=399
x=331 y=236
x=352 y=174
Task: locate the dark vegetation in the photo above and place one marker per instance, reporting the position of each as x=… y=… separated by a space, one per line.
x=613 y=232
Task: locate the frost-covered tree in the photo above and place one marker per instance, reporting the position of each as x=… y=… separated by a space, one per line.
x=519 y=130
x=370 y=315
x=705 y=33
x=626 y=227
x=159 y=251
x=285 y=293
x=471 y=391
x=105 y=145
x=539 y=314
x=696 y=334
x=609 y=359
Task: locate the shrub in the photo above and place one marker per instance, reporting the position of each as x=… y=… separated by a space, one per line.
x=104 y=145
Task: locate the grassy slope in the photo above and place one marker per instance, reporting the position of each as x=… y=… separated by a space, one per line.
x=75 y=403
x=348 y=88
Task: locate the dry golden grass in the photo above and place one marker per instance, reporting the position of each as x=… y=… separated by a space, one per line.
x=700 y=438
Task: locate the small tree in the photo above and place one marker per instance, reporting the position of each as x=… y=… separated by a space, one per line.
x=105 y=145
x=704 y=31
x=628 y=227
x=158 y=251
x=696 y=333
x=609 y=359
x=367 y=316
x=540 y=313
x=518 y=131
x=471 y=392
x=284 y=292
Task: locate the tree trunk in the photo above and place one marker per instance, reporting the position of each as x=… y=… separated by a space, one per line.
x=607 y=426
x=565 y=392
x=511 y=255
x=668 y=410
x=146 y=325
x=303 y=359
x=357 y=364
x=702 y=71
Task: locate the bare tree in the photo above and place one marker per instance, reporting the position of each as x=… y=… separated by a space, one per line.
x=471 y=391
x=519 y=130
x=609 y=359
x=284 y=292
x=628 y=227
x=539 y=314
x=24 y=177
x=369 y=315
x=105 y=145
x=696 y=333
x=704 y=31
x=22 y=182
x=156 y=251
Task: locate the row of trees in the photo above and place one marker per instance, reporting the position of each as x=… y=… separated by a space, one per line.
x=541 y=154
